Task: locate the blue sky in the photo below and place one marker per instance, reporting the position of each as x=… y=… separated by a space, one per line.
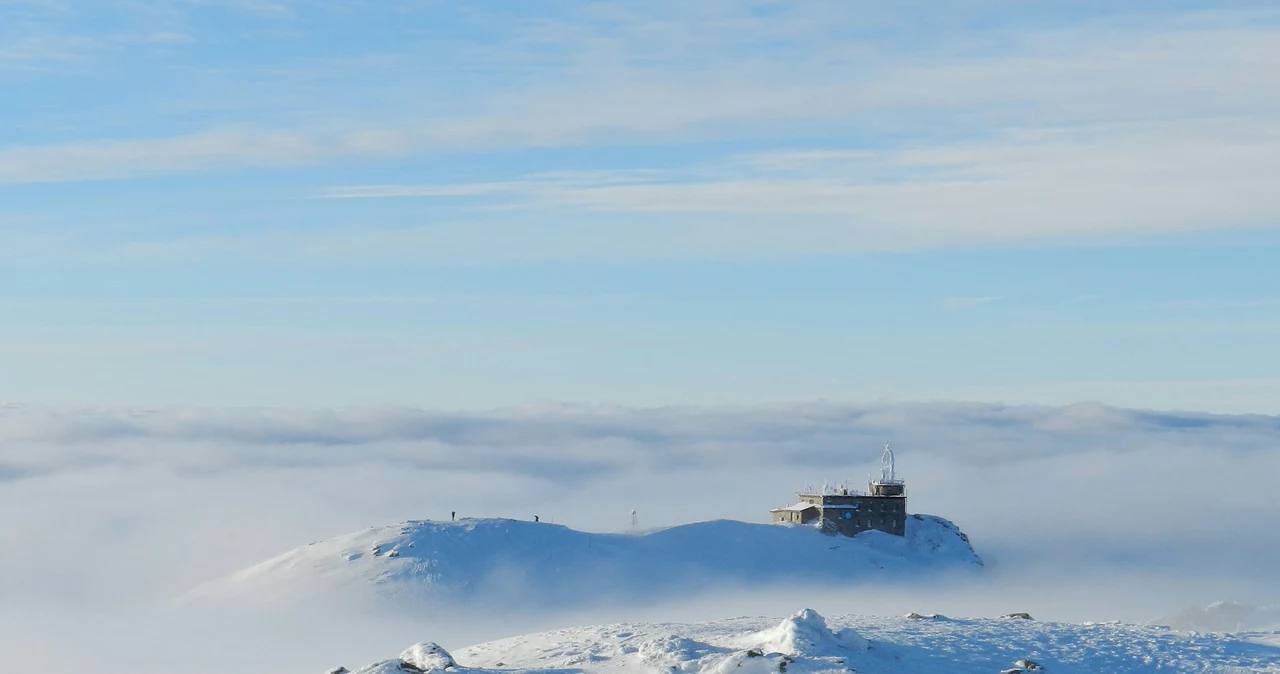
x=244 y=202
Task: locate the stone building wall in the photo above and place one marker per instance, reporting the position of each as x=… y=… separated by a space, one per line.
x=851 y=514
x=795 y=516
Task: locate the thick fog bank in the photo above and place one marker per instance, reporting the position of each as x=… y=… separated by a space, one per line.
x=1081 y=513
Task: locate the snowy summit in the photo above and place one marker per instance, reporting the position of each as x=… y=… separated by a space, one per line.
x=540 y=564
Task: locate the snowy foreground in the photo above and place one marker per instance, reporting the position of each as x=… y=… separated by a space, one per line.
x=515 y=562
x=807 y=644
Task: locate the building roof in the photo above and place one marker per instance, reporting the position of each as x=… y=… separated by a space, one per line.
x=797 y=507
x=860 y=495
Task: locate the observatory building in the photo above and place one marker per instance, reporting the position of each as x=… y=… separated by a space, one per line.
x=840 y=510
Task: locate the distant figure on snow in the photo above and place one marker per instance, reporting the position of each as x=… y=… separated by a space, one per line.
x=535 y=518
x=453 y=515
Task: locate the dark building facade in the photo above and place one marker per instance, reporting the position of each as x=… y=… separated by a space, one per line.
x=843 y=511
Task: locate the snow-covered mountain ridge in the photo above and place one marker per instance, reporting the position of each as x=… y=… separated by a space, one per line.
x=543 y=564
x=806 y=643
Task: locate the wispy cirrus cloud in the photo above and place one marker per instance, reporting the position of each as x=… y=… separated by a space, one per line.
x=617 y=88
x=1024 y=185
x=34 y=52
x=206 y=150
x=1225 y=303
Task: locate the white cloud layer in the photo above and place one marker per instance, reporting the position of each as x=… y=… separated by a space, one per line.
x=544 y=440
x=563 y=454
x=113 y=511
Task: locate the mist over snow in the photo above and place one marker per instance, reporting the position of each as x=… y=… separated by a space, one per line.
x=1084 y=512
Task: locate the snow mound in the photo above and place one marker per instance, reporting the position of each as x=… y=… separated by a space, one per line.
x=806 y=643
x=805 y=633
x=671 y=651
x=510 y=563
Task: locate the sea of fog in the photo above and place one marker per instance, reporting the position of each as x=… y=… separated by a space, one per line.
x=1082 y=513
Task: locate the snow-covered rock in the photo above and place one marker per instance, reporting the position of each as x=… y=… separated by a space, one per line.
x=428 y=657
x=396 y=666
x=516 y=562
x=418 y=658
x=806 y=643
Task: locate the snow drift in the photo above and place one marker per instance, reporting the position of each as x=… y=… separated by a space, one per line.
x=546 y=565
x=806 y=643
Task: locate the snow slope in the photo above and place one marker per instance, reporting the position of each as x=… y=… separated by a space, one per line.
x=806 y=643
x=545 y=564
